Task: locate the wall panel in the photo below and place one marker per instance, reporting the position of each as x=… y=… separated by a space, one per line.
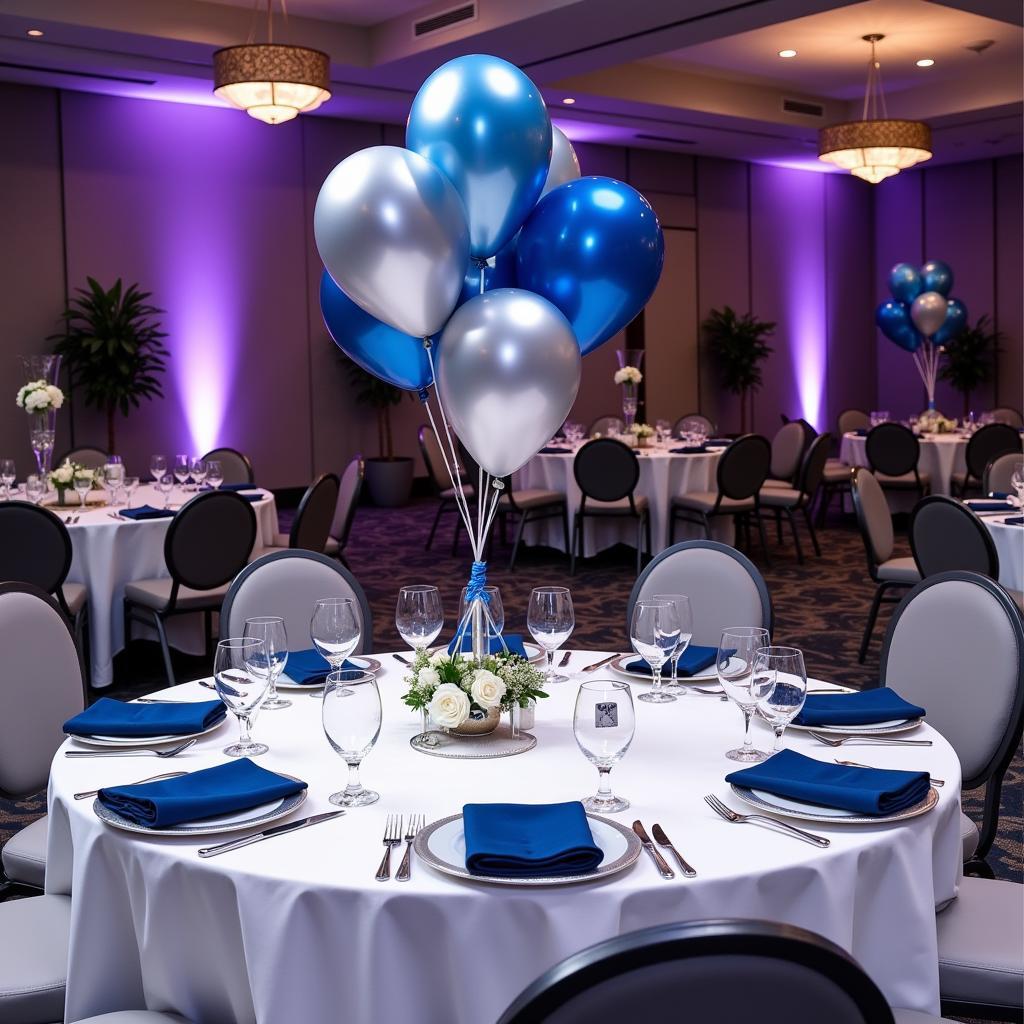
x=1008 y=312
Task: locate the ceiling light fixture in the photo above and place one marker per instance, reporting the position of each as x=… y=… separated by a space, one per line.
x=35 y=33
x=925 y=62
x=875 y=147
x=787 y=53
x=569 y=100
x=270 y=81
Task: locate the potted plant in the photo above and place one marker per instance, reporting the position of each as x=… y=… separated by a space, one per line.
x=969 y=358
x=111 y=345
x=737 y=343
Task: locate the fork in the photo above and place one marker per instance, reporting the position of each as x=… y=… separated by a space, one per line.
x=152 y=778
x=416 y=822
x=838 y=741
x=133 y=751
x=857 y=764
x=598 y=664
x=392 y=837
x=565 y=659
x=763 y=819
x=402 y=661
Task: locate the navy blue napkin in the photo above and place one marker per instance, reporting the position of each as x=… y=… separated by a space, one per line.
x=989 y=506
x=309 y=667
x=861 y=790
x=513 y=641
x=1015 y=521
x=224 y=789
x=696 y=449
x=548 y=450
x=108 y=717
x=694 y=659
x=864 y=708
x=998 y=495
x=718 y=442
x=529 y=840
x=146 y=512
x=861 y=432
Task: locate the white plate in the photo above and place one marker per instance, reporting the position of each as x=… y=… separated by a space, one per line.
x=144 y=741
x=236 y=822
x=812 y=812
x=711 y=672
x=442 y=845
x=534 y=653
x=881 y=728
x=361 y=662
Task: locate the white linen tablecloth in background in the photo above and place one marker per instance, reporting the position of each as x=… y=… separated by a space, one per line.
x=297 y=929
x=942 y=455
x=1009 y=542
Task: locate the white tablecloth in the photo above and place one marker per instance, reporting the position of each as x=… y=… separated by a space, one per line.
x=296 y=928
x=662 y=477
x=942 y=455
x=110 y=552
x=1009 y=541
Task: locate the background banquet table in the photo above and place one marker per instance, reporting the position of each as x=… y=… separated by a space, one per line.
x=299 y=919
x=1009 y=541
x=942 y=455
x=109 y=553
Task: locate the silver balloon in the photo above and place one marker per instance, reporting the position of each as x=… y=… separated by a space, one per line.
x=508 y=371
x=565 y=164
x=391 y=230
x=929 y=312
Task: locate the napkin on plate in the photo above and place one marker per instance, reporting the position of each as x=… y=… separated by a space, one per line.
x=1015 y=521
x=983 y=505
x=550 y=450
x=694 y=659
x=513 y=641
x=146 y=512
x=695 y=449
x=108 y=717
x=309 y=667
x=999 y=495
x=236 y=487
x=529 y=840
x=864 y=708
x=224 y=789
x=861 y=790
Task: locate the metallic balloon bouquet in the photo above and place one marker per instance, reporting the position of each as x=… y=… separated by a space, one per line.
x=477 y=260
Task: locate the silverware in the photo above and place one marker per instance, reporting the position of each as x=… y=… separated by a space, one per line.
x=403 y=661
x=838 y=741
x=662 y=864
x=598 y=664
x=763 y=819
x=565 y=659
x=392 y=837
x=857 y=764
x=277 y=830
x=157 y=700
x=207 y=684
x=416 y=822
x=663 y=840
x=133 y=751
x=152 y=778
x=830 y=689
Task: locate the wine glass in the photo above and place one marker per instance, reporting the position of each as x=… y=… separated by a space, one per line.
x=550 y=618
x=83 y=482
x=685 y=615
x=241 y=684
x=197 y=470
x=603 y=724
x=113 y=476
x=419 y=616
x=735 y=665
x=8 y=474
x=780 y=685
x=165 y=484
x=214 y=473
x=351 y=717
x=335 y=629
x=654 y=634
x=131 y=485
x=157 y=467
x=495 y=614
x=34 y=488
x=182 y=465
x=270 y=629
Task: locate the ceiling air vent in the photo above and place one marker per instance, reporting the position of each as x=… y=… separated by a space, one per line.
x=443 y=20
x=802 y=107
x=665 y=138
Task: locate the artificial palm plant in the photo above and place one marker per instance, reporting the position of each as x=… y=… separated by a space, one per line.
x=970 y=358
x=380 y=396
x=737 y=343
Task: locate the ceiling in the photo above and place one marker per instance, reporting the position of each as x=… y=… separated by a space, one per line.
x=700 y=77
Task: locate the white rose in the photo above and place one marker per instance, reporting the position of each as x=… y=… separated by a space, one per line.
x=449 y=707
x=439 y=657
x=428 y=677
x=487 y=689
x=63 y=473
x=56 y=396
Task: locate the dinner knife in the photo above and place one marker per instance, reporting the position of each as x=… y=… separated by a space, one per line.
x=662 y=864
x=598 y=664
x=663 y=840
x=277 y=830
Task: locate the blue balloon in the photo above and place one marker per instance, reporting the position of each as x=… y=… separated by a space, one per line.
x=936 y=276
x=905 y=283
x=379 y=349
x=893 y=319
x=953 y=325
x=594 y=248
x=501 y=275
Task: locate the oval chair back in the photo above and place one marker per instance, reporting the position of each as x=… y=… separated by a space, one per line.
x=988 y=443
x=606 y=470
x=35 y=546
x=691 y=423
x=852 y=419
x=787 y=448
x=998 y=474
x=946 y=536
x=892 y=449
x=1007 y=414
x=235 y=465
x=744 y=466
x=88 y=456
x=312 y=523
x=812 y=467
x=873 y=516
x=605 y=425
x=349 y=491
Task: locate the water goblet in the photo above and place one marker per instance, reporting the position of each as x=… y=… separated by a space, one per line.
x=112 y=478
x=182 y=465
x=270 y=629
x=34 y=488
x=685 y=615
x=495 y=614
x=419 y=616
x=165 y=484
x=241 y=685
x=735 y=665
x=351 y=719
x=214 y=474
x=157 y=467
x=131 y=485
x=335 y=630
x=83 y=482
x=8 y=474
x=603 y=723
x=550 y=618
x=780 y=685
x=654 y=634
x=197 y=470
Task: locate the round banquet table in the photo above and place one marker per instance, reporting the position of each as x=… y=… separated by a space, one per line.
x=1009 y=542
x=296 y=927
x=663 y=476
x=941 y=456
x=109 y=552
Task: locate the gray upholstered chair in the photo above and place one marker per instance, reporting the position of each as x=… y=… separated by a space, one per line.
x=288 y=583
x=235 y=465
x=34 y=937
x=835 y=479
x=605 y=425
x=207 y=544
x=788 y=447
x=43 y=687
x=852 y=419
x=1007 y=414
x=691 y=423
x=531 y=505
x=986 y=444
x=723 y=585
x=875 y=522
x=998 y=475
x=955 y=646
x=893 y=452
x=440 y=481
x=801 y=497
x=313 y=519
x=349 y=491
x=86 y=455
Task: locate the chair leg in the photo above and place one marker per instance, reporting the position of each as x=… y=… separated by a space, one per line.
x=811 y=531
x=455 y=533
x=764 y=542
x=503 y=528
x=876 y=602
x=165 y=649
x=575 y=540
x=519 y=536
x=707 y=525
x=778 y=525
x=796 y=536
x=565 y=529
x=437 y=519
x=823 y=502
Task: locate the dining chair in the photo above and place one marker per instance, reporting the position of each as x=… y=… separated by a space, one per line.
x=789 y=500
x=998 y=475
x=603 y=426
x=86 y=455
x=441 y=483
x=852 y=419
x=531 y=505
x=787 y=450
x=835 y=478
x=208 y=543
x=893 y=451
x=235 y=465
x=288 y=583
x=692 y=422
x=349 y=492
x=607 y=472
x=740 y=474
x=955 y=645
x=724 y=587
x=986 y=443
x=313 y=519
x=34 y=937
x=875 y=522
x=1007 y=414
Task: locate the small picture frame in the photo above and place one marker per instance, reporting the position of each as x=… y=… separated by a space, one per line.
x=606 y=715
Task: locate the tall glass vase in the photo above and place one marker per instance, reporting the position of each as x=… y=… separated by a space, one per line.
x=629 y=401
x=43 y=430
x=630 y=394
x=45 y=367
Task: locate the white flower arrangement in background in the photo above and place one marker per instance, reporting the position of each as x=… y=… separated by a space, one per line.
x=642 y=430
x=63 y=476
x=38 y=396
x=628 y=375
x=935 y=422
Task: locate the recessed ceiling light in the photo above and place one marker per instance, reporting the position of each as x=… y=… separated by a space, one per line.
x=787 y=53
x=569 y=100
x=925 y=62
x=34 y=32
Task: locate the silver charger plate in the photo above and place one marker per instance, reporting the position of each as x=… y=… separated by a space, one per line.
x=534 y=652
x=813 y=812
x=873 y=729
x=239 y=821
x=144 y=741
x=360 y=661
x=620 y=663
x=500 y=743
x=442 y=846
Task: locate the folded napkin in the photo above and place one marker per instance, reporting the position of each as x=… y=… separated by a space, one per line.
x=227 y=788
x=864 y=708
x=998 y=495
x=989 y=506
x=861 y=790
x=1015 y=521
x=231 y=487
x=551 y=450
x=861 y=432
x=694 y=659
x=309 y=667
x=695 y=449
x=718 y=442
x=108 y=717
x=146 y=512
x=529 y=840
x=513 y=641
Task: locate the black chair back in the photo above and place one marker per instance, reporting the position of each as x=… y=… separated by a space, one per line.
x=744 y=466
x=87 y=455
x=892 y=449
x=946 y=536
x=35 y=546
x=813 y=465
x=606 y=470
x=989 y=443
x=235 y=464
x=312 y=523
x=209 y=541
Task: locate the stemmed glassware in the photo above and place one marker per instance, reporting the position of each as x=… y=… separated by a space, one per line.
x=131 y=485
x=351 y=718
x=603 y=724
x=83 y=482
x=654 y=634
x=550 y=618
x=495 y=609
x=419 y=619
x=737 y=649
x=685 y=615
x=8 y=474
x=214 y=474
x=165 y=484
x=270 y=629
x=780 y=685
x=241 y=684
x=34 y=488
x=335 y=630
x=157 y=467
x=197 y=470
x=113 y=477
x=182 y=467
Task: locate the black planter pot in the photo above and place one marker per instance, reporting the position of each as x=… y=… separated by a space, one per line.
x=389 y=481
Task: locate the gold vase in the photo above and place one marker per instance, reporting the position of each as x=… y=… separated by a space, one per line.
x=481 y=721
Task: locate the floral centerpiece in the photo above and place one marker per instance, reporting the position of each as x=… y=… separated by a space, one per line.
x=41 y=401
x=933 y=422
x=37 y=397
x=643 y=432
x=629 y=377
x=62 y=479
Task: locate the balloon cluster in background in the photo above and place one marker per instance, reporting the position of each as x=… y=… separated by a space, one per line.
x=482 y=237
x=921 y=307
